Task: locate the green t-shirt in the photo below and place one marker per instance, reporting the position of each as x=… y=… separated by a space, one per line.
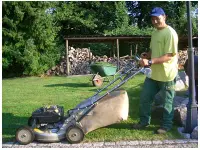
x=162 y=42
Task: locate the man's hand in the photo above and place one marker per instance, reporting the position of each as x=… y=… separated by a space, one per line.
x=143 y=62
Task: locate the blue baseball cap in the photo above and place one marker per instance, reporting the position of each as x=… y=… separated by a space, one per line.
x=157 y=11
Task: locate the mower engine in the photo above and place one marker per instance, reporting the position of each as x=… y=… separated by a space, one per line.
x=48 y=117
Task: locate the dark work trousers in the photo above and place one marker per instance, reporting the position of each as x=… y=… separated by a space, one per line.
x=150 y=89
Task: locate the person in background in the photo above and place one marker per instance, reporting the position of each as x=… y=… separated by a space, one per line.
x=163 y=60
x=186 y=68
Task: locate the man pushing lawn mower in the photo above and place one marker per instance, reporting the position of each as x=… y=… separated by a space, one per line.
x=162 y=58
x=51 y=124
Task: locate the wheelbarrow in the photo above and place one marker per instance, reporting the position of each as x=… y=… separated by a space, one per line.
x=101 y=72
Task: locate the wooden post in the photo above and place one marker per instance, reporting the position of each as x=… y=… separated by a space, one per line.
x=111 y=51
x=90 y=59
x=136 y=49
x=117 y=42
x=131 y=51
x=113 y=48
x=89 y=53
x=67 y=58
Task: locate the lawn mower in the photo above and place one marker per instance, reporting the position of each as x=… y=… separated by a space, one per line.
x=50 y=124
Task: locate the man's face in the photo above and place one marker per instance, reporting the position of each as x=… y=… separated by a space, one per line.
x=158 y=21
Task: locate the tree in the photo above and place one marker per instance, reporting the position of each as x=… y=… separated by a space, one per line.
x=29 y=45
x=90 y=18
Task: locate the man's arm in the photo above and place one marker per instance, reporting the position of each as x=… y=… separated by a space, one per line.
x=158 y=60
x=162 y=59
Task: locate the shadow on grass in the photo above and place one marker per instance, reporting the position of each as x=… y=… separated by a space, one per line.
x=134 y=98
x=70 y=85
x=10 y=123
x=129 y=126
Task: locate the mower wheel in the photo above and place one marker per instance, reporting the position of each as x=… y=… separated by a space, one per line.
x=97 y=80
x=74 y=134
x=25 y=135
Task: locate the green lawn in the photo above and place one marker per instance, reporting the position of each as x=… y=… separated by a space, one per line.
x=21 y=96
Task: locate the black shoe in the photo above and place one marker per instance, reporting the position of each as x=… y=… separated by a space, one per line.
x=138 y=126
x=161 y=130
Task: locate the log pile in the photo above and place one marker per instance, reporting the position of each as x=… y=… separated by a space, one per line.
x=182 y=57
x=80 y=60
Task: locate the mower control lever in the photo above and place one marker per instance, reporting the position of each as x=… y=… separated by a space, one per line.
x=146 y=69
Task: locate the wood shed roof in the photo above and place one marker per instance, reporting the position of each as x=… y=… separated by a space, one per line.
x=132 y=38
x=96 y=38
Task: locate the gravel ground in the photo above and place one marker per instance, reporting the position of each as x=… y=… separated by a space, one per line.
x=183 y=143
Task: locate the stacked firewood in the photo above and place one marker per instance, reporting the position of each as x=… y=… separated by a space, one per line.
x=59 y=69
x=80 y=60
x=182 y=57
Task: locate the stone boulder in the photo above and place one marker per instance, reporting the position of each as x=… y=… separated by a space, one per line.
x=182 y=81
x=181 y=131
x=180 y=108
x=194 y=134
